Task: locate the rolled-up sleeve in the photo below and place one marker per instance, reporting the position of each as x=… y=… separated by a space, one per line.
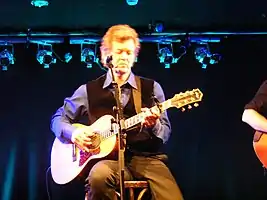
x=162 y=129
x=73 y=107
x=259 y=100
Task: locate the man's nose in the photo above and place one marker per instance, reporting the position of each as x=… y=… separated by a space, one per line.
x=124 y=55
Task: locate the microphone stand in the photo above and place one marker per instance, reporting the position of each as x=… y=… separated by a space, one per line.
x=121 y=133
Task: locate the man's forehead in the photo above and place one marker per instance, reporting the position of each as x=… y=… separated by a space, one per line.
x=124 y=44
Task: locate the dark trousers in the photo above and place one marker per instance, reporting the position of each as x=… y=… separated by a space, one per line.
x=103 y=178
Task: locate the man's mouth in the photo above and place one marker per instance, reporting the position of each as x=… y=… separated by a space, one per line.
x=122 y=64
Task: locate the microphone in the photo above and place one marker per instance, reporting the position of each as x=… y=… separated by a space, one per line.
x=108 y=62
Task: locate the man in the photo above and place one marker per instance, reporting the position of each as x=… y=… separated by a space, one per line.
x=255 y=112
x=143 y=159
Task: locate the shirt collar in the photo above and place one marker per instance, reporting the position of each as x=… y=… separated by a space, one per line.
x=131 y=80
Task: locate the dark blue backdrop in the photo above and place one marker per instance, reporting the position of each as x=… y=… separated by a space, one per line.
x=210 y=150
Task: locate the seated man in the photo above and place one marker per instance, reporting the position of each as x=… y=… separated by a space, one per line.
x=143 y=158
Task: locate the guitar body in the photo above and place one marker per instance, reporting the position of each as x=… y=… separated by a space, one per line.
x=260 y=147
x=68 y=161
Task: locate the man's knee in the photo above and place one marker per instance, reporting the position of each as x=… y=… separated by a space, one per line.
x=101 y=175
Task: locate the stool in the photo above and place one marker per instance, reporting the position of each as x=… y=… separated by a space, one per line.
x=131 y=185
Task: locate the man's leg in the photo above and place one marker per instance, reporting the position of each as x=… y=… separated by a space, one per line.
x=103 y=179
x=161 y=182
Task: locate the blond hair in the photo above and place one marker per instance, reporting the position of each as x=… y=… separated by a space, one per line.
x=119 y=33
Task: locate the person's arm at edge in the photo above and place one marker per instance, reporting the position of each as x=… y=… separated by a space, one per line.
x=73 y=107
x=251 y=114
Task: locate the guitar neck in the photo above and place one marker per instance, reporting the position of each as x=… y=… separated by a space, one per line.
x=136 y=119
x=179 y=101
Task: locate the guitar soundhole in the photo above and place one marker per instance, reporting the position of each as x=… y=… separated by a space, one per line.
x=96 y=140
x=85 y=155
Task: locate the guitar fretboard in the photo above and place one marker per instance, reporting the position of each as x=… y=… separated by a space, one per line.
x=178 y=101
x=136 y=119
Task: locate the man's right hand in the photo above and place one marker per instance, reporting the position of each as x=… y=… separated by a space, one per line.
x=82 y=138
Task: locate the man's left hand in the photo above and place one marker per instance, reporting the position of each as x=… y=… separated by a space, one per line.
x=151 y=117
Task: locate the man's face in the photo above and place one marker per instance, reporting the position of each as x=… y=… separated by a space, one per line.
x=123 y=57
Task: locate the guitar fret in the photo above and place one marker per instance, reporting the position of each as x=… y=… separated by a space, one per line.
x=105 y=134
x=129 y=122
x=139 y=118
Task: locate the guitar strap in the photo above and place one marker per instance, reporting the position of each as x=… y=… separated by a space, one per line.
x=137 y=95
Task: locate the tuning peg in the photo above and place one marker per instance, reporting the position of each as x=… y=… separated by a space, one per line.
x=183 y=109
x=189 y=107
x=196 y=104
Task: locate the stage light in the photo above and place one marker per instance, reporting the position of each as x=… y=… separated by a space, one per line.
x=156 y=26
x=88 y=54
x=6 y=55
x=165 y=55
x=6 y=58
x=200 y=54
x=45 y=58
x=68 y=57
x=88 y=57
x=132 y=2
x=39 y=3
x=159 y=27
x=205 y=57
x=45 y=55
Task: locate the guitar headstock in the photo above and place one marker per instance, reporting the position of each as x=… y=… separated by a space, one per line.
x=187 y=98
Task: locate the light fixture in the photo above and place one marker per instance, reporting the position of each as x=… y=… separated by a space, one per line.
x=68 y=57
x=39 y=3
x=88 y=55
x=132 y=2
x=156 y=26
x=205 y=57
x=165 y=54
x=6 y=56
x=45 y=55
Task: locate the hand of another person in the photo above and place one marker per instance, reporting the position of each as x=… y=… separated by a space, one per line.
x=82 y=138
x=151 y=117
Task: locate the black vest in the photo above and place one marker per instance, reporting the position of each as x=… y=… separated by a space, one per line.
x=101 y=102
